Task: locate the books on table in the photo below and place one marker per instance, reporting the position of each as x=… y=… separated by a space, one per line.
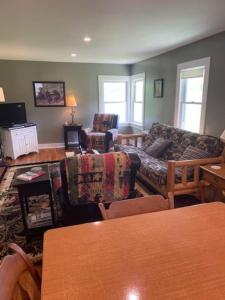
x=30 y=175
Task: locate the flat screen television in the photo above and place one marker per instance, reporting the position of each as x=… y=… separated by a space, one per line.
x=12 y=113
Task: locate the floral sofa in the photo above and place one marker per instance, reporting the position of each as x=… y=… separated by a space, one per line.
x=168 y=173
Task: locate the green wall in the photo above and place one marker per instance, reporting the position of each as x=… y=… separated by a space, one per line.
x=81 y=79
x=165 y=66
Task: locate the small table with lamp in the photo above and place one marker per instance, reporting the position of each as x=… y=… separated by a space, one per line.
x=72 y=131
x=72 y=136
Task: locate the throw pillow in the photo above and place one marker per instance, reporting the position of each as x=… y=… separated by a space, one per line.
x=194 y=153
x=191 y=153
x=158 y=147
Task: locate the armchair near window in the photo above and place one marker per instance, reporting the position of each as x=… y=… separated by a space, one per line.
x=103 y=133
x=93 y=178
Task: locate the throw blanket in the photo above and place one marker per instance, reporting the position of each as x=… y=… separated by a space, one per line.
x=98 y=178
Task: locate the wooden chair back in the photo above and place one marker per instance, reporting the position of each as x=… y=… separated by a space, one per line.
x=18 y=277
x=135 y=206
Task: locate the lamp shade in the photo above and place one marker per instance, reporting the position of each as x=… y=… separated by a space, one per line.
x=222 y=137
x=71 y=101
x=2 y=97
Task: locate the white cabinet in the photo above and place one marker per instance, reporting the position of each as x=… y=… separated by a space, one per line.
x=19 y=141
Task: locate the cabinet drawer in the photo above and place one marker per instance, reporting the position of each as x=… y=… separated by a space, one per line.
x=23 y=131
x=214 y=180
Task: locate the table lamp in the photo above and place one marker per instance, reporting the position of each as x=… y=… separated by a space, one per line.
x=2 y=97
x=71 y=102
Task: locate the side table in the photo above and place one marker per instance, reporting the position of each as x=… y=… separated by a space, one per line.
x=72 y=136
x=36 y=221
x=212 y=177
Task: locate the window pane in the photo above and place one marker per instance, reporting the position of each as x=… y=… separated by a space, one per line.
x=138 y=117
x=190 y=117
x=139 y=91
x=116 y=108
x=192 y=89
x=114 y=91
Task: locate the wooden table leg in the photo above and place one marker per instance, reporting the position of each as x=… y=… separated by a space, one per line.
x=51 y=206
x=202 y=191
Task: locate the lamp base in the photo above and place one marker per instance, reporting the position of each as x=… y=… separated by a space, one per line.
x=73 y=116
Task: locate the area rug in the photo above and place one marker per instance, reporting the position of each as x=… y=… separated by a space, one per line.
x=11 y=225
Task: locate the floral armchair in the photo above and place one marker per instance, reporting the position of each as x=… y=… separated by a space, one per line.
x=102 y=135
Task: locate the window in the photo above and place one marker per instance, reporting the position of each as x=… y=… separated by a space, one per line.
x=192 y=85
x=114 y=96
x=137 y=98
x=123 y=95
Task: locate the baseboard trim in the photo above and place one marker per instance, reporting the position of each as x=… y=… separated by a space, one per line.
x=51 y=145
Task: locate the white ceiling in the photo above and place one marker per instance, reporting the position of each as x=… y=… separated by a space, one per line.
x=124 y=31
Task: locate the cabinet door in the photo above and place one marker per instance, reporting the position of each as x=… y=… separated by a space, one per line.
x=19 y=145
x=30 y=137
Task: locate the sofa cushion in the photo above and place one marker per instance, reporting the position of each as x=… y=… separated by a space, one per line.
x=131 y=149
x=158 y=147
x=153 y=168
x=180 y=140
x=194 y=153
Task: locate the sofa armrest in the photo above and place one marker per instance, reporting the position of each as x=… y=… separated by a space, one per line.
x=113 y=133
x=131 y=136
x=87 y=130
x=183 y=165
x=83 y=137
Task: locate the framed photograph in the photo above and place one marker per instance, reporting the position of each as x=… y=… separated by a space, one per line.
x=49 y=93
x=158 y=88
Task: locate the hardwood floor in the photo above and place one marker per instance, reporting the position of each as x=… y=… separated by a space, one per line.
x=43 y=156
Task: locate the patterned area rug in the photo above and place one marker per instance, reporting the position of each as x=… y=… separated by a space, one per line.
x=11 y=225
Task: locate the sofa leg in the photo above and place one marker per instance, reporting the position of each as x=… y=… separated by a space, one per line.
x=171 y=199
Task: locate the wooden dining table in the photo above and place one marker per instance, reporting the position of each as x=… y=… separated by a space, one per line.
x=173 y=254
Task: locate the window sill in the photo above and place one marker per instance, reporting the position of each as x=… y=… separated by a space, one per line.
x=135 y=125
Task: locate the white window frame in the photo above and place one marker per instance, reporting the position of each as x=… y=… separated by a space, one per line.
x=135 y=78
x=108 y=78
x=204 y=62
x=130 y=80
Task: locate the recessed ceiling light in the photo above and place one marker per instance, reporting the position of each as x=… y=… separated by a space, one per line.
x=73 y=54
x=87 y=39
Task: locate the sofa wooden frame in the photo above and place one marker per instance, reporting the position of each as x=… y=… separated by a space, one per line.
x=171 y=189
x=186 y=186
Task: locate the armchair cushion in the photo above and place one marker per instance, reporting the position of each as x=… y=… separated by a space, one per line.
x=96 y=140
x=103 y=122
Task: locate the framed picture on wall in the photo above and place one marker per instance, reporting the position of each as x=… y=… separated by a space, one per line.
x=49 y=93
x=158 y=88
